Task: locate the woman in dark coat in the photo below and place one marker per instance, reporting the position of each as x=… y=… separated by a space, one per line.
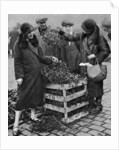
x=28 y=63
x=91 y=45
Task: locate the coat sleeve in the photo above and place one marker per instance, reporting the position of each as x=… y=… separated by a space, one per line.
x=44 y=59
x=18 y=67
x=104 y=50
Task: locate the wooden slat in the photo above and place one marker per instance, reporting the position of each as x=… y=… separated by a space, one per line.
x=75 y=95
x=65 y=105
x=73 y=85
x=56 y=108
x=54 y=97
x=75 y=117
x=67 y=98
x=55 y=86
x=79 y=105
x=66 y=86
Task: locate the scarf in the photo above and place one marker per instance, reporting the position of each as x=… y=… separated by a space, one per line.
x=23 y=43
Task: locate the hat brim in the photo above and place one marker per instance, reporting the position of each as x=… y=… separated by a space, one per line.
x=70 y=25
x=29 y=31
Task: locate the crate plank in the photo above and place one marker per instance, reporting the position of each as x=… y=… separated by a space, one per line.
x=54 y=97
x=55 y=108
x=79 y=105
x=75 y=95
x=55 y=86
x=67 y=98
x=73 y=85
x=75 y=117
x=66 y=86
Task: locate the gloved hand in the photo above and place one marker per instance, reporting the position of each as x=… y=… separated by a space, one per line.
x=54 y=59
x=61 y=32
x=19 y=81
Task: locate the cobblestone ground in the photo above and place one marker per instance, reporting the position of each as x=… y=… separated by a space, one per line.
x=91 y=125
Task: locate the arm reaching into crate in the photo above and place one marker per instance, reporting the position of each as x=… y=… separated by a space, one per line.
x=44 y=59
x=47 y=59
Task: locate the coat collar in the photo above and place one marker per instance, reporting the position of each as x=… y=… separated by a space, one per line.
x=33 y=49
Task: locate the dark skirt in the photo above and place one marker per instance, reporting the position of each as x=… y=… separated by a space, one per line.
x=95 y=89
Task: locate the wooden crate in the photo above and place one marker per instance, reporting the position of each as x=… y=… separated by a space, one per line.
x=67 y=99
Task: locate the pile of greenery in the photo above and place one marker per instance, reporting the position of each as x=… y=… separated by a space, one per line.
x=59 y=73
x=12 y=97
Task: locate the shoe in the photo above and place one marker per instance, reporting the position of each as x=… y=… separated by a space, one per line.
x=98 y=109
x=99 y=105
x=91 y=110
x=34 y=119
x=15 y=131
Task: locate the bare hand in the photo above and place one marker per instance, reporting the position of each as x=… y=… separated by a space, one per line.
x=82 y=64
x=19 y=81
x=86 y=64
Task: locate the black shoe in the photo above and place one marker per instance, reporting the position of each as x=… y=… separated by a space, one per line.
x=99 y=108
x=92 y=111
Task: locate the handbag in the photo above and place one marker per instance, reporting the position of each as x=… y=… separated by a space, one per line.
x=97 y=72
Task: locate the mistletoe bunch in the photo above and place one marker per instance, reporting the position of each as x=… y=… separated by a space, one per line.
x=52 y=38
x=59 y=73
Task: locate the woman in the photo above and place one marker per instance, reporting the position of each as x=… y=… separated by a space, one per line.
x=91 y=45
x=28 y=63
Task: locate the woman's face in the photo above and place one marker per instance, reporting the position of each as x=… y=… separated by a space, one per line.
x=30 y=35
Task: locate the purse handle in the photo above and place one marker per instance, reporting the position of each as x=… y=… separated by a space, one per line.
x=97 y=60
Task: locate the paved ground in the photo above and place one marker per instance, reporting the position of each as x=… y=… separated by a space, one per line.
x=91 y=125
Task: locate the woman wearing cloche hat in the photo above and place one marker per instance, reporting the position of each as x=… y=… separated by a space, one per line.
x=91 y=45
x=28 y=62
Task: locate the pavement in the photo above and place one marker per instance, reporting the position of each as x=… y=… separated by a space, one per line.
x=91 y=125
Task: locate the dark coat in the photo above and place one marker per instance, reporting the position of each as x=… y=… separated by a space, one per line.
x=70 y=55
x=27 y=65
x=98 y=46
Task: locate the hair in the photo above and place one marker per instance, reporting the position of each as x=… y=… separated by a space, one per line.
x=94 y=37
